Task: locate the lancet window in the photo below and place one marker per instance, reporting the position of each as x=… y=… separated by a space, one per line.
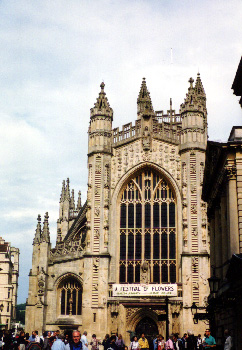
x=148 y=229
x=71 y=297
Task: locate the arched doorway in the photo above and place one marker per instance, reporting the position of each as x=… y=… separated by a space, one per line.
x=149 y=328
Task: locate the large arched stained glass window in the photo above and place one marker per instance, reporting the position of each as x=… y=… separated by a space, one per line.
x=148 y=229
x=71 y=297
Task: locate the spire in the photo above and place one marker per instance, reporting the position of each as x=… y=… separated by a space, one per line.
x=144 y=103
x=62 y=197
x=199 y=90
x=67 y=192
x=79 y=201
x=102 y=106
x=37 y=231
x=46 y=233
x=72 y=204
x=195 y=99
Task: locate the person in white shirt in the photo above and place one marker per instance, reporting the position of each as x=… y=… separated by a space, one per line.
x=37 y=338
x=134 y=345
x=229 y=341
x=84 y=341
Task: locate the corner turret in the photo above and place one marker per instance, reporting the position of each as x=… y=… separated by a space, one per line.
x=194 y=117
x=100 y=129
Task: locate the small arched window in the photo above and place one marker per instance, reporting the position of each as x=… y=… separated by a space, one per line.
x=71 y=297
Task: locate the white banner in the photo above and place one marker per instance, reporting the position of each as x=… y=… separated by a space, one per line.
x=128 y=290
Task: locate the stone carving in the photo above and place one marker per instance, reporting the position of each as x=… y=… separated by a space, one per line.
x=184 y=211
x=97 y=211
x=185 y=233
x=146 y=139
x=145 y=272
x=187 y=278
x=195 y=231
x=130 y=312
x=194 y=208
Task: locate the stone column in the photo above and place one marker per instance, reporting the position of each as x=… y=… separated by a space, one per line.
x=217 y=238
x=212 y=241
x=224 y=237
x=232 y=209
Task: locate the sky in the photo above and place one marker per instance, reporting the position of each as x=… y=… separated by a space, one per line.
x=53 y=57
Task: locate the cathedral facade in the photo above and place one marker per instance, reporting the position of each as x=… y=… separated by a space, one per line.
x=135 y=256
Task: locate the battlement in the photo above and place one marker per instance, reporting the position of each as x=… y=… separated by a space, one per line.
x=166 y=127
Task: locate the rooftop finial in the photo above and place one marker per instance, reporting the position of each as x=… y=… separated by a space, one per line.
x=191 y=81
x=102 y=85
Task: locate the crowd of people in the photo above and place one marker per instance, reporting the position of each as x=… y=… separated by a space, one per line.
x=75 y=341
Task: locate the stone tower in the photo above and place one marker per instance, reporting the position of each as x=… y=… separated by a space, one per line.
x=38 y=277
x=99 y=162
x=195 y=257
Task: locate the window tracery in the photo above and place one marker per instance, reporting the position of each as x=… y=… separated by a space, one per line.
x=147 y=229
x=71 y=297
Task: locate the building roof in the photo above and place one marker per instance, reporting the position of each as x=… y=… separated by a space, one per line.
x=237 y=84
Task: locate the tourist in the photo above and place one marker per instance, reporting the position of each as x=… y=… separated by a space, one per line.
x=228 y=340
x=169 y=343
x=155 y=343
x=112 y=343
x=184 y=341
x=120 y=342
x=95 y=343
x=22 y=341
x=46 y=345
x=209 y=341
x=199 y=342
x=177 y=342
x=134 y=345
x=106 y=342
x=84 y=341
x=191 y=341
x=76 y=343
x=161 y=342
x=58 y=343
x=143 y=342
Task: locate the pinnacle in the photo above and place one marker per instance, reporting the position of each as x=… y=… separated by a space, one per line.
x=102 y=106
x=37 y=236
x=144 y=101
x=46 y=233
x=199 y=86
x=195 y=98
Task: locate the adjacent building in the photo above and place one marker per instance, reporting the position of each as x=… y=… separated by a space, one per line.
x=222 y=190
x=135 y=256
x=9 y=272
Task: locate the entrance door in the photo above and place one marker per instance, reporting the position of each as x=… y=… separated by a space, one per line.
x=149 y=328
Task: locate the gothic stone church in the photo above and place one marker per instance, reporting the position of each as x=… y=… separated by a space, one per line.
x=143 y=223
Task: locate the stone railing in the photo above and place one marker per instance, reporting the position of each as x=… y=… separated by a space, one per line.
x=128 y=132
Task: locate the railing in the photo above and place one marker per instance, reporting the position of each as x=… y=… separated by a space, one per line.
x=162 y=126
x=166 y=118
x=127 y=132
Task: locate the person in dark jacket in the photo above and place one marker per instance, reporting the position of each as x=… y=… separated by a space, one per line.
x=106 y=342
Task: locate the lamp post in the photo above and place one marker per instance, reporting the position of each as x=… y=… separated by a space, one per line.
x=213 y=283
x=194 y=312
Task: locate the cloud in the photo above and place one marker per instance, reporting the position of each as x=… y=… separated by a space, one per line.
x=54 y=55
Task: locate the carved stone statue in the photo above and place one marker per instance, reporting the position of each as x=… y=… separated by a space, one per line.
x=145 y=272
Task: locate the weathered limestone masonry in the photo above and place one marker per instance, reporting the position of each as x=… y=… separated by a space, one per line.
x=143 y=222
